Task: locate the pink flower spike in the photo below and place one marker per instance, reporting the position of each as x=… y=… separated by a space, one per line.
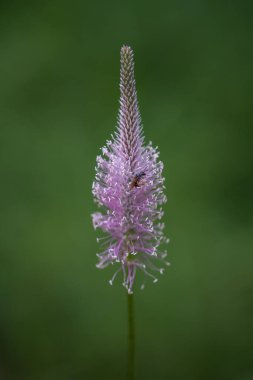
x=129 y=185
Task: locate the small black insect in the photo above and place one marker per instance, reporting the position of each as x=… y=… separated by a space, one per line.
x=138 y=180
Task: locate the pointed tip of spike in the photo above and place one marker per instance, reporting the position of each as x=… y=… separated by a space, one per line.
x=126 y=50
x=126 y=47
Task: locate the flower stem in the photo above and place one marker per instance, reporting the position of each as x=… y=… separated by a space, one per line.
x=131 y=338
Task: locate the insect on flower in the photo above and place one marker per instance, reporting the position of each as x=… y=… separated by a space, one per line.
x=138 y=180
x=131 y=222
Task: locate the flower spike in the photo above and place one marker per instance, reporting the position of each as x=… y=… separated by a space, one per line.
x=129 y=184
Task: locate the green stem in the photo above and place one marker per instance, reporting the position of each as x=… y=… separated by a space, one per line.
x=131 y=338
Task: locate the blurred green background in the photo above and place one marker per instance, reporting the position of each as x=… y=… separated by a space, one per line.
x=59 y=75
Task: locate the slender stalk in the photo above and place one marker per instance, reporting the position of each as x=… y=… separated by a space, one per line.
x=131 y=338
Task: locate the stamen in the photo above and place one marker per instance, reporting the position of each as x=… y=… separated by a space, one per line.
x=114 y=276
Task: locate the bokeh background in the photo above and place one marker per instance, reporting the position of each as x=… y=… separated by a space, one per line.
x=59 y=75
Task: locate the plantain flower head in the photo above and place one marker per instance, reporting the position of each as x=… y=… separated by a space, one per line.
x=129 y=187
